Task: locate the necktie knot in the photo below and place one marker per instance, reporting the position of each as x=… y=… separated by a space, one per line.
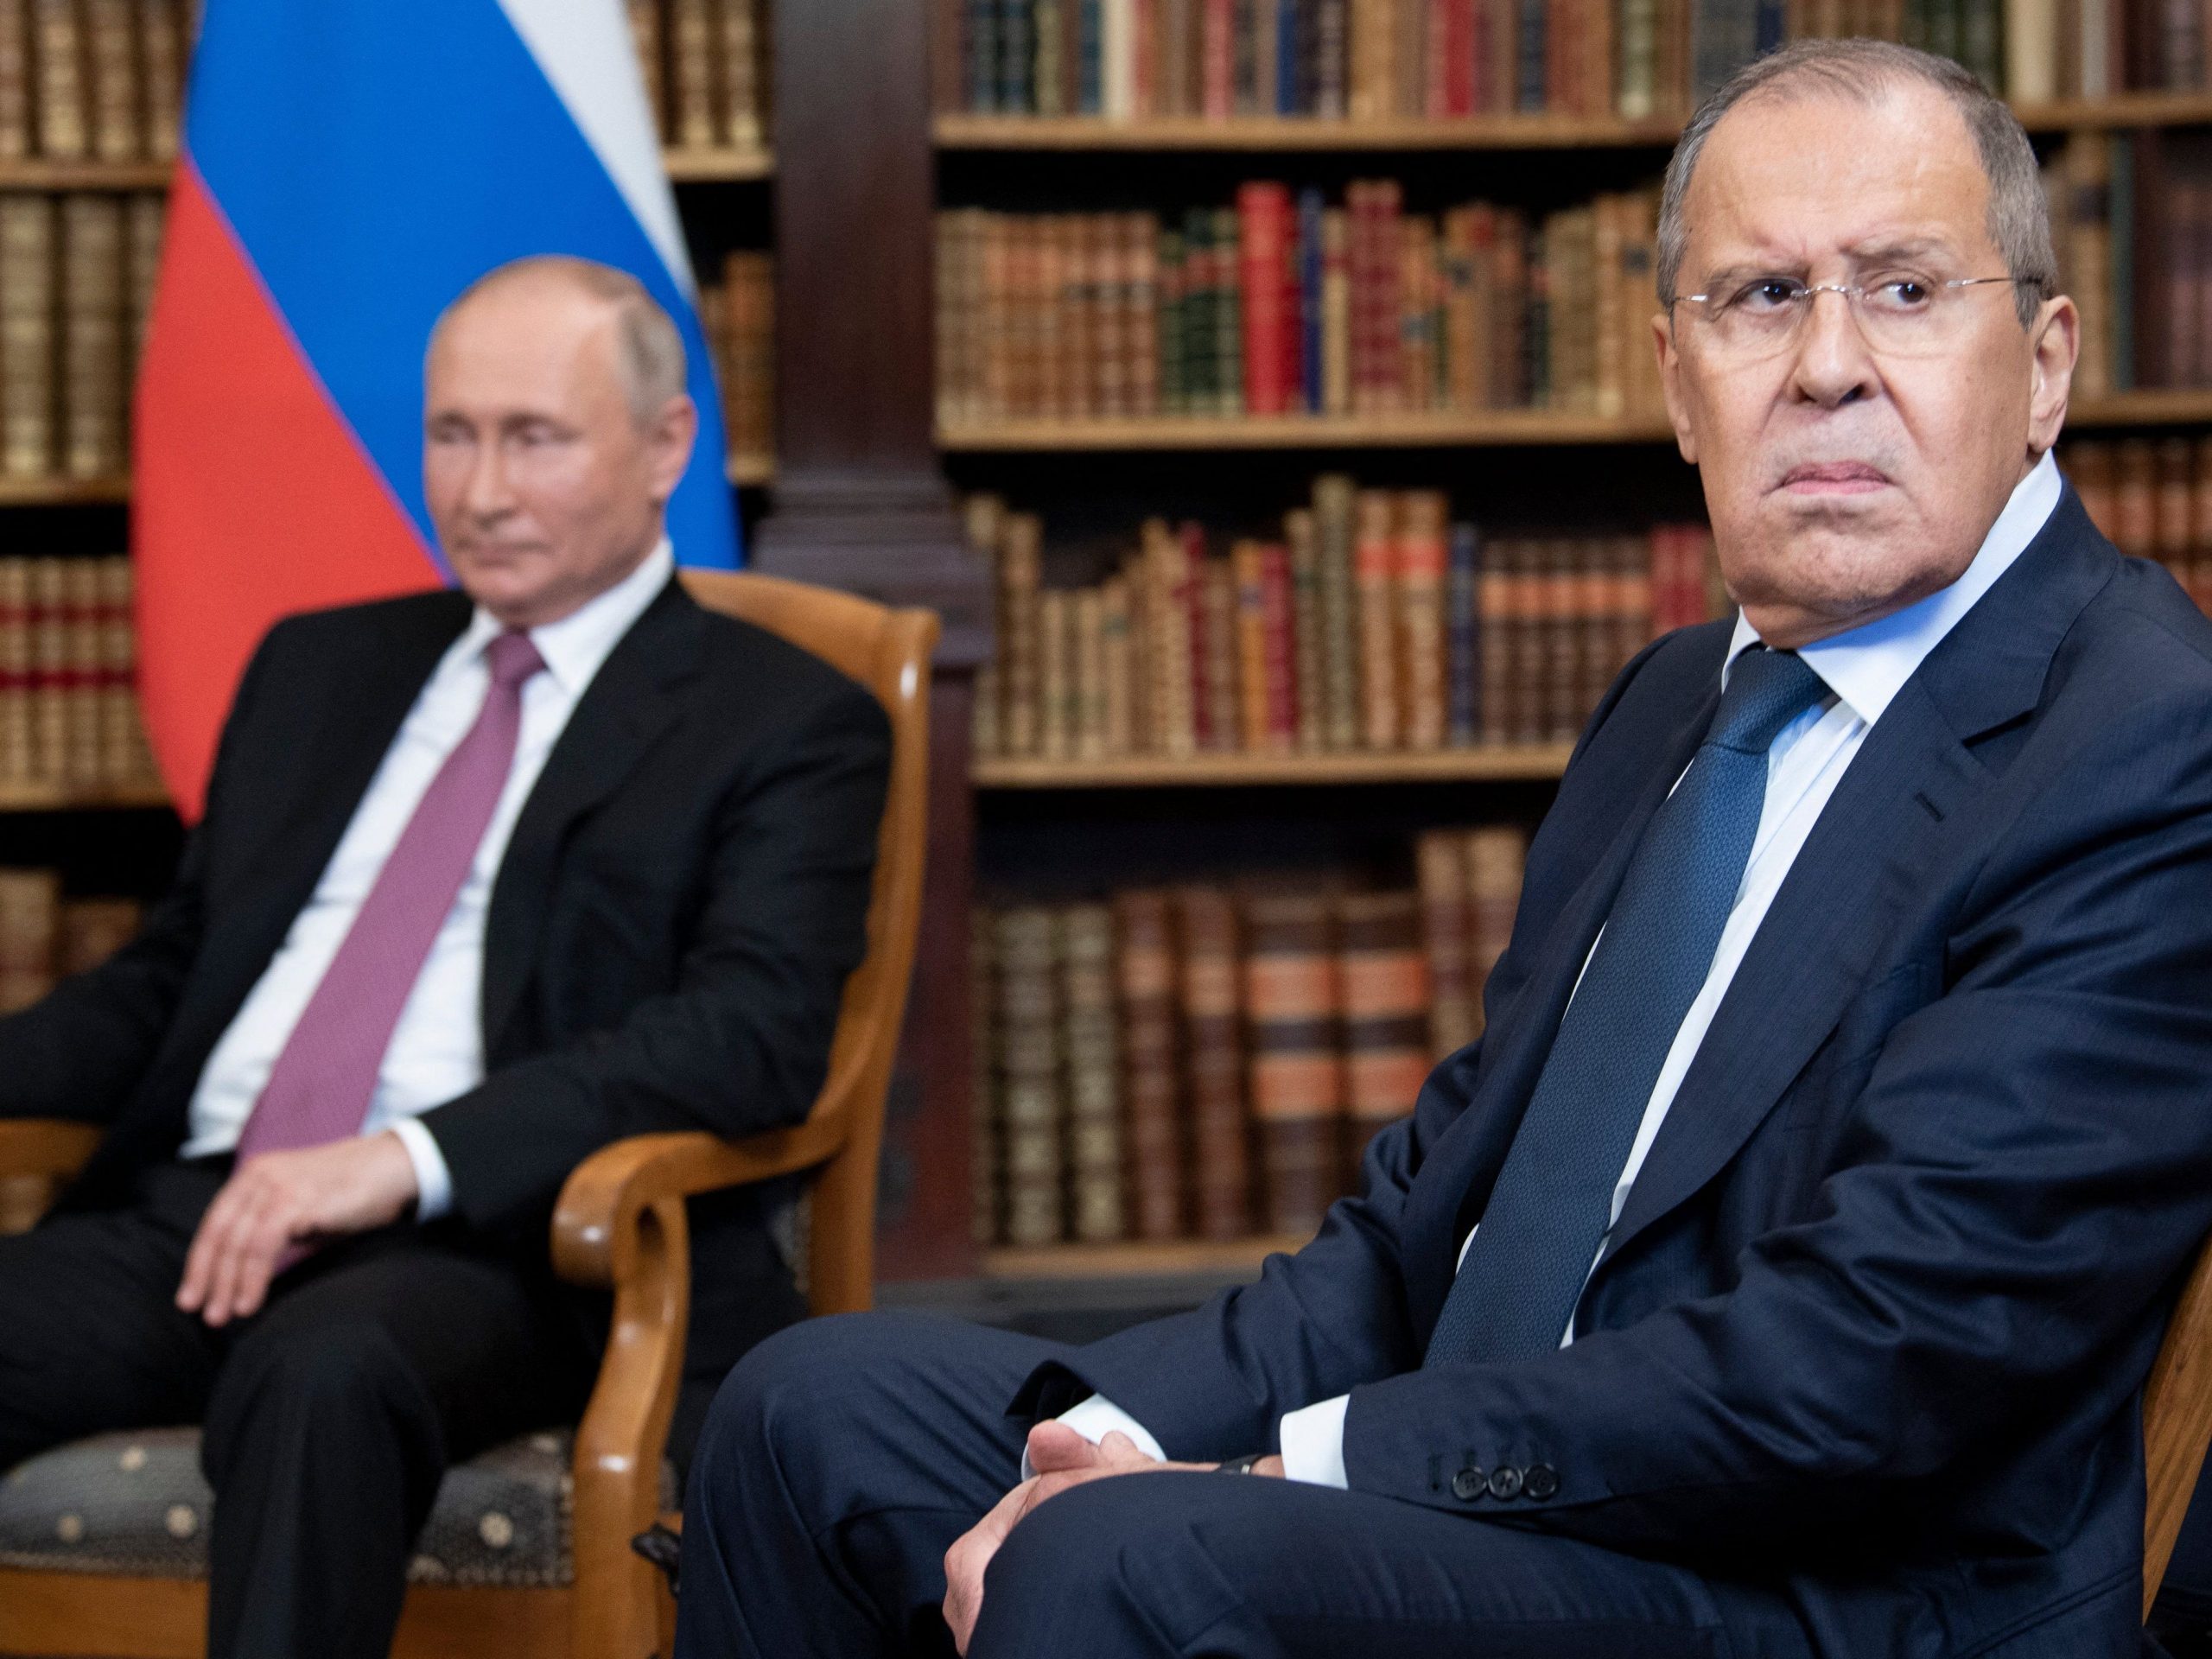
x=512 y=659
x=1766 y=690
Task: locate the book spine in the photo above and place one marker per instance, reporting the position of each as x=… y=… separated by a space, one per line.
x=1495 y=857
x=50 y=646
x=1441 y=872
x=691 y=59
x=111 y=62
x=1055 y=676
x=93 y=392
x=1251 y=643
x=1020 y=634
x=1374 y=556
x=1279 y=649
x=84 y=653
x=1153 y=1120
x=1463 y=633
x=1303 y=540
x=1099 y=1213
x=1419 y=563
x=1218 y=593
x=644 y=36
x=1383 y=980
x=17 y=136
x=1296 y=1075
x=1337 y=314
x=63 y=127
x=1263 y=224
x=1334 y=521
x=27 y=343
x=1214 y=1063
x=1032 y=1076
x=1117 y=669
x=1229 y=317
x=1087 y=718
x=18 y=762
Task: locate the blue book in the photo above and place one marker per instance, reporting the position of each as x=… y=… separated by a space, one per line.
x=1091 y=90
x=1287 y=47
x=1309 y=295
x=1531 y=88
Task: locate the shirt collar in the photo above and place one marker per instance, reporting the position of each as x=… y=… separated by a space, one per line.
x=1867 y=666
x=574 y=646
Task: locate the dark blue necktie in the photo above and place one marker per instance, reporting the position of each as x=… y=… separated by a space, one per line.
x=1540 y=1232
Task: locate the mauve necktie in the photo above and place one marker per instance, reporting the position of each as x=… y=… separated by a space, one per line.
x=1540 y=1232
x=320 y=1089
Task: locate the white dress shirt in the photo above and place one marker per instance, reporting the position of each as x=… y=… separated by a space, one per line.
x=437 y=1048
x=1864 y=670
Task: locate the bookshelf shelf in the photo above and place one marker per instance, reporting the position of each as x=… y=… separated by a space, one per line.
x=1164 y=1259
x=1492 y=429
x=45 y=797
x=1503 y=427
x=1535 y=761
x=62 y=492
x=1262 y=134
x=718 y=166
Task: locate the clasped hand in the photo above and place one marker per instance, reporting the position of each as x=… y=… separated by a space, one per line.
x=277 y=1206
x=1062 y=1459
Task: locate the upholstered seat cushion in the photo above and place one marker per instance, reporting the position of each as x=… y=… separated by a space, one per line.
x=137 y=1504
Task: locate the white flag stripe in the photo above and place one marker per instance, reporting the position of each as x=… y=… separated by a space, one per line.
x=585 y=49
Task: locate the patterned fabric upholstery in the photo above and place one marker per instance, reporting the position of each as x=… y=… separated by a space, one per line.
x=137 y=1504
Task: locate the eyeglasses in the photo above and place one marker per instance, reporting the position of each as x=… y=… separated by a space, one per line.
x=1902 y=316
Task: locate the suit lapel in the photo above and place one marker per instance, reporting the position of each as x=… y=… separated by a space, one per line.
x=629 y=702
x=1863 y=865
x=1475 y=1146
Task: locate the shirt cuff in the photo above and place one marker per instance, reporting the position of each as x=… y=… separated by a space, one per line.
x=433 y=1182
x=1313 y=1442
x=1095 y=1417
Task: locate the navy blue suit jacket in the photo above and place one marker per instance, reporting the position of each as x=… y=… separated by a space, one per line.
x=1872 y=1327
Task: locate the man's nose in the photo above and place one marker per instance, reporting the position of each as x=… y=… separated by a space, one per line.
x=1833 y=365
x=487 y=495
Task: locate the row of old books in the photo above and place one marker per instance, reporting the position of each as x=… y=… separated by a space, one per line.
x=706 y=68
x=1284 y=304
x=2154 y=497
x=1374 y=624
x=76 y=285
x=68 y=671
x=1202 y=1062
x=93 y=79
x=739 y=317
x=45 y=938
x=2131 y=213
x=1441 y=60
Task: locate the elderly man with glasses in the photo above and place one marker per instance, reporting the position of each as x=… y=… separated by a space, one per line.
x=1778 y=1274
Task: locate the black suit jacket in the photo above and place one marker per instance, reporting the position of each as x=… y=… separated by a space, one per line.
x=1872 y=1327
x=678 y=906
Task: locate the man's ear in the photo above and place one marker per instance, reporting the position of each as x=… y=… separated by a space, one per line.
x=1670 y=384
x=2054 y=343
x=668 y=438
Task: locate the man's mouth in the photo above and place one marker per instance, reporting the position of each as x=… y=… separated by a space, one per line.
x=1834 y=478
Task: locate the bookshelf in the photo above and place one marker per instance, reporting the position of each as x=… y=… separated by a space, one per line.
x=50 y=798
x=1291 y=135
x=1522 y=763
x=1178 y=1258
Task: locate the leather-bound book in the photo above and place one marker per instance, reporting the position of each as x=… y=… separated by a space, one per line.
x=646 y=21
x=1033 y=1075
x=1495 y=857
x=1374 y=560
x=1153 y=1120
x=17 y=741
x=51 y=644
x=1302 y=535
x=1384 y=979
x=1296 y=1068
x=1440 y=870
x=1335 y=521
x=161 y=54
x=1213 y=1062
x=1419 y=565
x=16 y=136
x=113 y=98
x=27 y=334
x=93 y=392
x=58 y=59
x=1091 y=1042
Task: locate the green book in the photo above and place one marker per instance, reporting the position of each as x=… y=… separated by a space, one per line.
x=1229 y=316
x=1169 y=300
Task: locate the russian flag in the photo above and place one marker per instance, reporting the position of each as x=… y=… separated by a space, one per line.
x=350 y=166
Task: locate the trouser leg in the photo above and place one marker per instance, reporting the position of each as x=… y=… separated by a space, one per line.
x=1248 y=1568
x=334 y=1416
x=91 y=1337
x=839 y=1461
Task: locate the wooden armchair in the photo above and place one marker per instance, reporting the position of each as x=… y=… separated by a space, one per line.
x=2176 y=1423
x=620 y=1225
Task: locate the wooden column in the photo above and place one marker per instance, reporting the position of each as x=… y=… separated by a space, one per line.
x=861 y=504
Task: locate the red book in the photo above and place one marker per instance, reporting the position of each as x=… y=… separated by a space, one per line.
x=1263 y=238
x=1459 y=38
x=1194 y=598
x=1217 y=44
x=1144 y=49
x=1282 y=646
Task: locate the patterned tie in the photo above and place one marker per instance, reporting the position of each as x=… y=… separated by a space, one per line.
x=320 y=1089
x=1524 y=1272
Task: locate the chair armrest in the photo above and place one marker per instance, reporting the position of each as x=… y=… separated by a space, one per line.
x=597 y=1219
x=49 y=1146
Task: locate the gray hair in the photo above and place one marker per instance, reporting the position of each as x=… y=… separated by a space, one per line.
x=2019 y=215
x=649 y=346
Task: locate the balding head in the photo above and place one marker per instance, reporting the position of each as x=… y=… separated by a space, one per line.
x=649 y=349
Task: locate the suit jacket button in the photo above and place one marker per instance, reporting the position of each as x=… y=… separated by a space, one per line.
x=1540 y=1482
x=1467 y=1486
x=1504 y=1482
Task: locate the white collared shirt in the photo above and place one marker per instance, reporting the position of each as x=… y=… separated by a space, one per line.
x=1864 y=670
x=436 y=1050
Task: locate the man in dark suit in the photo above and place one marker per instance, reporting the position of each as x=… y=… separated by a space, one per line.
x=486 y=881
x=1778 y=1274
